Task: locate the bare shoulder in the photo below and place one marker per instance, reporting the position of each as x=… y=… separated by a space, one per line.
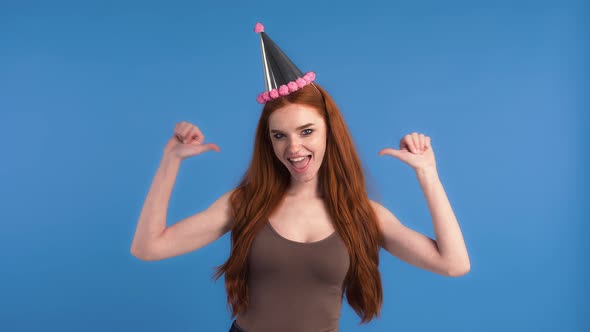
x=384 y=215
x=221 y=210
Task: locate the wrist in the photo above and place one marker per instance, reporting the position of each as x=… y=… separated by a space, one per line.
x=169 y=157
x=426 y=171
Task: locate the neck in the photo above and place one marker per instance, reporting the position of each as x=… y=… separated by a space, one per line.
x=303 y=190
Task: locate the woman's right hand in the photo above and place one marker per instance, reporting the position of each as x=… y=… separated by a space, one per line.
x=187 y=141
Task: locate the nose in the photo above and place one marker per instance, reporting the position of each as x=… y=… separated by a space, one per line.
x=294 y=149
x=294 y=146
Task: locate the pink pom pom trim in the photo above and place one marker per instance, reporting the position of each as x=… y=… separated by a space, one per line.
x=285 y=89
x=292 y=86
x=301 y=82
x=258 y=28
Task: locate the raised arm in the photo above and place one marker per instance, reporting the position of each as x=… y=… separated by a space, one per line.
x=152 y=240
x=447 y=254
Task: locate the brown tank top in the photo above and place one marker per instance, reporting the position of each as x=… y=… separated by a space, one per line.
x=294 y=286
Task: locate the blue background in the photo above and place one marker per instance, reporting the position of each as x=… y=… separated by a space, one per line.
x=90 y=93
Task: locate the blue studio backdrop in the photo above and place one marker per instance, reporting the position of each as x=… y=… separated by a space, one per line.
x=90 y=93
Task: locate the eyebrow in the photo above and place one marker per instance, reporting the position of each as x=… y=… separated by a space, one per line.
x=298 y=128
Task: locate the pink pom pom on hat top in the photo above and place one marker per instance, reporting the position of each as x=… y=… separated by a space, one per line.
x=281 y=75
x=258 y=27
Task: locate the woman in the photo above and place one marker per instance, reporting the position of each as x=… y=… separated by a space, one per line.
x=303 y=230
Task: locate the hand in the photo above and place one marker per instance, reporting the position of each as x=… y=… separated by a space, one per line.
x=415 y=150
x=187 y=141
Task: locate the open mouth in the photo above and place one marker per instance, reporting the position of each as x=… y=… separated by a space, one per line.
x=300 y=164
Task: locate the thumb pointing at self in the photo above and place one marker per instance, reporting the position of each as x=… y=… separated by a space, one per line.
x=209 y=146
x=392 y=152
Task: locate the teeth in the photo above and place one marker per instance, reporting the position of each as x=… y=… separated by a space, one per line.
x=298 y=159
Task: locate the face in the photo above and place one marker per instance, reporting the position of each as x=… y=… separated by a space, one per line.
x=298 y=131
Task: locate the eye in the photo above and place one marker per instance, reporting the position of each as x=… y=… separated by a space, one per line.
x=306 y=131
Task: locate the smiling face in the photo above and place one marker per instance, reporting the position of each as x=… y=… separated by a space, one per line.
x=298 y=130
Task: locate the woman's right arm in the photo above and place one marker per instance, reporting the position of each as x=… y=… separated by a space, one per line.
x=152 y=240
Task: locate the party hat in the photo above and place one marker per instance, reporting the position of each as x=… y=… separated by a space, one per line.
x=281 y=76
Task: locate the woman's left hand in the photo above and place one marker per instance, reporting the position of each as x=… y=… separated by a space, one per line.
x=415 y=150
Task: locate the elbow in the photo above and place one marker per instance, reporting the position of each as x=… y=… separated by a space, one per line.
x=143 y=255
x=459 y=271
x=137 y=254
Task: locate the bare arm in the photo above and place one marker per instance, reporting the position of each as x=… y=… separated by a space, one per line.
x=449 y=238
x=152 y=220
x=153 y=241
x=447 y=255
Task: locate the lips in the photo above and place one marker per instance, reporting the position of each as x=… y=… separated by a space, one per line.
x=301 y=166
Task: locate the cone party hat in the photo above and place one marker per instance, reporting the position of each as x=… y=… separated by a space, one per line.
x=281 y=76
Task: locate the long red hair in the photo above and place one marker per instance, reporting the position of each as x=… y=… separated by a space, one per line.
x=342 y=185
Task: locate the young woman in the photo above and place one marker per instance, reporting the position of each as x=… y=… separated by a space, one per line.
x=303 y=230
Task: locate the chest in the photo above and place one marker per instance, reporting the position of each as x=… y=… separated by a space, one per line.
x=302 y=221
x=313 y=266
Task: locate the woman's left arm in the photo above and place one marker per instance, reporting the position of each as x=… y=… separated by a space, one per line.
x=449 y=238
x=417 y=152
